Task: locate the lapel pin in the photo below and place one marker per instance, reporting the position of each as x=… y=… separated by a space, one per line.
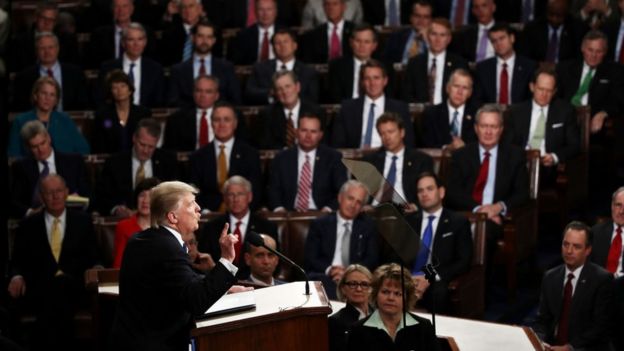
x=317 y=158
x=468 y=117
x=409 y=163
x=449 y=64
x=237 y=155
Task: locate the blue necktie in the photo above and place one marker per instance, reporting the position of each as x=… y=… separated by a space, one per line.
x=455 y=124
x=423 y=254
x=36 y=201
x=393 y=18
x=368 y=137
x=188 y=48
x=391 y=177
x=131 y=73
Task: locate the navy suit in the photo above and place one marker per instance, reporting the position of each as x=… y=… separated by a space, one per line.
x=416 y=83
x=535 y=38
x=182 y=83
x=315 y=45
x=341 y=73
x=244 y=161
x=152 y=81
x=109 y=135
x=347 y=127
x=436 y=125
x=328 y=176
x=245 y=47
x=486 y=80
x=260 y=83
x=102 y=44
x=272 y=123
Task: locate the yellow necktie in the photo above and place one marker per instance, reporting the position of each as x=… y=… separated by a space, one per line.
x=55 y=239
x=140 y=174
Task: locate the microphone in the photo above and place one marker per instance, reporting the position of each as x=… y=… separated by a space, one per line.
x=256 y=240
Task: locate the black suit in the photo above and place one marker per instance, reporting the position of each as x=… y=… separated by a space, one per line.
x=396 y=43
x=244 y=49
x=244 y=161
x=328 y=176
x=414 y=163
x=419 y=336
x=102 y=44
x=341 y=73
x=152 y=81
x=339 y=323
x=109 y=136
x=171 y=45
x=160 y=294
x=25 y=175
x=590 y=310
x=512 y=180
x=347 y=126
x=73 y=87
x=315 y=44
x=272 y=123
x=22 y=53
x=115 y=183
x=375 y=11
x=486 y=80
x=602 y=243
x=208 y=240
x=260 y=83
x=182 y=83
x=510 y=11
x=416 y=83
x=535 y=38
x=612 y=30
x=436 y=125
x=465 y=42
x=233 y=13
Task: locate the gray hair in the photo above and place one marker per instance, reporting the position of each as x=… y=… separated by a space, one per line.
x=237 y=180
x=281 y=73
x=133 y=26
x=616 y=193
x=490 y=108
x=31 y=129
x=354 y=183
x=42 y=35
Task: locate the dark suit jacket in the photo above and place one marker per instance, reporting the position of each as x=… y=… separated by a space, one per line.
x=512 y=179
x=244 y=48
x=109 y=136
x=32 y=257
x=328 y=176
x=341 y=79
x=612 y=29
x=602 y=242
x=181 y=83
x=244 y=161
x=605 y=89
x=115 y=183
x=339 y=323
x=420 y=336
x=563 y=137
x=414 y=163
x=314 y=45
x=375 y=11
x=74 y=87
x=208 y=240
x=534 y=39
x=272 y=123
x=395 y=45
x=155 y=269
x=465 y=42
x=22 y=53
x=25 y=175
x=416 y=83
x=590 y=314
x=171 y=45
x=233 y=13
x=102 y=45
x=486 y=78
x=347 y=126
x=321 y=243
x=260 y=82
x=436 y=126
x=510 y=11
x=152 y=81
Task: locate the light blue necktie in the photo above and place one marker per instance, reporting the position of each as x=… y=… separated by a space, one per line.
x=423 y=254
x=368 y=137
x=188 y=48
x=393 y=18
x=391 y=177
x=455 y=124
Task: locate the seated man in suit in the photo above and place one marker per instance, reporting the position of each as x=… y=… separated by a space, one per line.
x=308 y=175
x=225 y=156
x=337 y=240
x=576 y=298
x=545 y=124
x=69 y=77
x=176 y=44
x=237 y=195
x=329 y=39
x=504 y=78
x=277 y=122
x=123 y=171
x=26 y=173
x=202 y=62
x=472 y=42
x=407 y=43
x=398 y=164
x=448 y=242
x=262 y=263
x=383 y=13
x=427 y=74
x=450 y=125
x=314 y=13
x=607 y=244
x=146 y=75
x=354 y=126
x=52 y=251
x=258 y=90
x=611 y=29
x=253 y=43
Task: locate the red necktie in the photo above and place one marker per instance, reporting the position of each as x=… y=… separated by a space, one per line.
x=477 y=191
x=251 y=12
x=503 y=92
x=334 y=48
x=459 y=14
x=50 y=73
x=239 y=243
x=264 y=50
x=615 y=251
x=305 y=184
x=562 y=328
x=203 y=130
x=202 y=67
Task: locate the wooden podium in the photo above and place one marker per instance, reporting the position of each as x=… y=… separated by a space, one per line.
x=284 y=319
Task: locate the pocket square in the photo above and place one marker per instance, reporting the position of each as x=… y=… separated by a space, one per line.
x=603 y=81
x=446 y=234
x=557 y=125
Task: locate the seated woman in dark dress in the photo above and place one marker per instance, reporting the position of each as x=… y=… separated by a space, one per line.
x=354 y=288
x=116 y=121
x=384 y=329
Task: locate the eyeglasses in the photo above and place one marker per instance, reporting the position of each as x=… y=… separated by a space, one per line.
x=355 y=285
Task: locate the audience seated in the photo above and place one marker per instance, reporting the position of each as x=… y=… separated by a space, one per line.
x=450 y=125
x=354 y=125
x=243 y=13
x=384 y=13
x=262 y=263
x=472 y=41
x=115 y=122
x=607 y=244
x=277 y=122
x=427 y=74
x=124 y=170
x=520 y=11
x=200 y=261
x=337 y=240
x=315 y=13
x=407 y=43
x=225 y=156
x=52 y=251
x=258 y=90
x=308 y=175
x=329 y=39
x=27 y=173
x=202 y=62
x=594 y=13
x=238 y=195
x=176 y=44
x=63 y=131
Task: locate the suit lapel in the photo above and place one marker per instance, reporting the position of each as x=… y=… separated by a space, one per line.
x=235 y=158
x=516 y=82
x=443 y=228
x=357 y=124
x=556 y=291
x=525 y=122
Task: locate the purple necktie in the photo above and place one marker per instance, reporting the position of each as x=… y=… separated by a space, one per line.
x=482 y=46
x=553 y=47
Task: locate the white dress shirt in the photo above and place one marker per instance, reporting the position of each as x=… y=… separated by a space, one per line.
x=356 y=77
x=434 y=227
x=243 y=226
x=398 y=183
x=460 y=116
x=619 y=271
x=136 y=72
x=380 y=106
x=330 y=30
x=510 y=68
x=536 y=111
x=577 y=274
x=440 y=63
x=197 y=64
x=290 y=65
x=295 y=113
x=229 y=144
x=51 y=164
x=270 y=30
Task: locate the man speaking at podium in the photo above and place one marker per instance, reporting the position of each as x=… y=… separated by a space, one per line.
x=159 y=294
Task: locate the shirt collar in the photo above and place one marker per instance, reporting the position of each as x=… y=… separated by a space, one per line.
x=228 y=144
x=375 y=321
x=49 y=217
x=398 y=154
x=510 y=61
x=290 y=65
x=244 y=220
x=311 y=153
x=176 y=235
x=437 y=213
x=339 y=25
x=378 y=102
x=486 y=26
x=260 y=282
x=493 y=151
x=459 y=109
x=535 y=106
x=576 y=272
x=127 y=61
